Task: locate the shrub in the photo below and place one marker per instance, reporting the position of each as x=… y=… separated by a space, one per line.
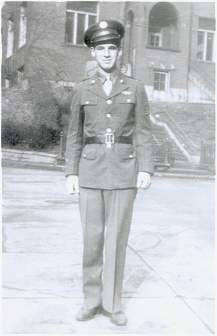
x=11 y=134
x=43 y=136
x=39 y=136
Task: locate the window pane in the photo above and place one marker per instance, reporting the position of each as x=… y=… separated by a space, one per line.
x=156 y=80
x=84 y=6
x=80 y=28
x=10 y=38
x=200 y=38
x=162 y=81
x=200 y=45
x=159 y=81
x=209 y=49
x=23 y=26
x=69 y=27
x=92 y=20
x=154 y=39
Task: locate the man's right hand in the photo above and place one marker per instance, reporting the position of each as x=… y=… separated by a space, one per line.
x=72 y=184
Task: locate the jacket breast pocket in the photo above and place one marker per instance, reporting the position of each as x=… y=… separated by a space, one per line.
x=87 y=102
x=126 y=99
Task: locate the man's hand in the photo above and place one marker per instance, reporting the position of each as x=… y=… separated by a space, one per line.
x=143 y=180
x=72 y=184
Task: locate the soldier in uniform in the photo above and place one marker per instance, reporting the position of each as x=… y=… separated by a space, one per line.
x=108 y=157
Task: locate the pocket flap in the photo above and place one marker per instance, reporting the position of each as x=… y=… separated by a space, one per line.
x=88 y=100
x=127 y=153
x=89 y=153
x=126 y=99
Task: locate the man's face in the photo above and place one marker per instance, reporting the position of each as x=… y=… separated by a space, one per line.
x=106 y=56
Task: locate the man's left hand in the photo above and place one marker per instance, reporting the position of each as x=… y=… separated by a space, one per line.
x=143 y=180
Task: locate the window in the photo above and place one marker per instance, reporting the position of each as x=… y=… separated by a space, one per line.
x=79 y=16
x=10 y=38
x=22 y=26
x=161 y=80
x=20 y=74
x=7 y=83
x=155 y=40
x=163 y=26
x=205 y=39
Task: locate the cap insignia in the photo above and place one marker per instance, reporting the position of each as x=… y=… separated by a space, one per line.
x=103 y=24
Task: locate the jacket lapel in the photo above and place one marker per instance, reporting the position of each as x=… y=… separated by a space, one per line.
x=119 y=86
x=95 y=86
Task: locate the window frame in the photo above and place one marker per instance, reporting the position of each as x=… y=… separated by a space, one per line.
x=75 y=22
x=167 y=79
x=206 y=32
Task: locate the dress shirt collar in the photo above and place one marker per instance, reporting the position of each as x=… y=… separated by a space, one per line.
x=112 y=76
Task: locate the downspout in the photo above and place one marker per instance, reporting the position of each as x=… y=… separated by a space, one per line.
x=123 y=19
x=189 y=49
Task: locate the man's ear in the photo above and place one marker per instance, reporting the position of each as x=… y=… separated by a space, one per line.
x=92 y=51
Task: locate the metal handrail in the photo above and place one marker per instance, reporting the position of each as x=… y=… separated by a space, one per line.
x=172 y=136
x=180 y=133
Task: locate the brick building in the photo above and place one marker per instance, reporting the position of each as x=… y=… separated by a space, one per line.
x=169 y=46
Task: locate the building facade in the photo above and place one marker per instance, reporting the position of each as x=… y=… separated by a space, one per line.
x=169 y=46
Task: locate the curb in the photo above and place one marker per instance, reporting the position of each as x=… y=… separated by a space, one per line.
x=33 y=165
x=45 y=161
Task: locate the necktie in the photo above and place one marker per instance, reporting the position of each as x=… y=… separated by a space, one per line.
x=107 y=86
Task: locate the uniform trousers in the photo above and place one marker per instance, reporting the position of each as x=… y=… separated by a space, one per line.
x=106 y=217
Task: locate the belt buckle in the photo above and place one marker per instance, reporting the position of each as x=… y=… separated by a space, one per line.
x=109 y=139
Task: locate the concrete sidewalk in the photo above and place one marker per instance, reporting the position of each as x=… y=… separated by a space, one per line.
x=169 y=276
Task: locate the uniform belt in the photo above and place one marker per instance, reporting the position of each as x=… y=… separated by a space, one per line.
x=117 y=139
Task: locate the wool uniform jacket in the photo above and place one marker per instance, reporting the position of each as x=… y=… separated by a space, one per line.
x=125 y=112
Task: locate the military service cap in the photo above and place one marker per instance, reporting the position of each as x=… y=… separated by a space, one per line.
x=104 y=32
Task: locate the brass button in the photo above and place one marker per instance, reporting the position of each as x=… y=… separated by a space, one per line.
x=108 y=115
x=129 y=100
x=121 y=81
x=108 y=129
x=130 y=156
x=84 y=155
x=93 y=81
x=87 y=102
x=109 y=101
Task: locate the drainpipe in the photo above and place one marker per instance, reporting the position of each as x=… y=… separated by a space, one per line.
x=189 y=48
x=123 y=19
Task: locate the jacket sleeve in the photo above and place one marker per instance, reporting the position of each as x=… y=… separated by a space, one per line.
x=74 y=139
x=143 y=132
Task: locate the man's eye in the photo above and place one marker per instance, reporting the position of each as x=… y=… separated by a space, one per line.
x=113 y=48
x=99 y=48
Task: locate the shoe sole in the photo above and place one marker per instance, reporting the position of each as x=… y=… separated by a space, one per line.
x=118 y=324
x=90 y=317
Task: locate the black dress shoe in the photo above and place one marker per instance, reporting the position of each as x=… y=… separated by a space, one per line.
x=85 y=314
x=119 y=318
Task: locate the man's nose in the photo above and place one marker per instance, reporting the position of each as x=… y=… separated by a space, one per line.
x=107 y=52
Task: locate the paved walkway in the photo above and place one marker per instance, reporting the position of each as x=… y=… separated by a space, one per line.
x=169 y=277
